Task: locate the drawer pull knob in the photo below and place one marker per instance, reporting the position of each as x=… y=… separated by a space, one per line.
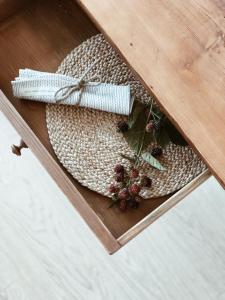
x=17 y=149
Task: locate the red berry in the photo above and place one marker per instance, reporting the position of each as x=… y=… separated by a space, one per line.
x=149 y=126
x=113 y=189
x=146 y=181
x=119 y=177
x=135 y=189
x=134 y=173
x=123 y=205
x=124 y=194
x=119 y=169
x=156 y=152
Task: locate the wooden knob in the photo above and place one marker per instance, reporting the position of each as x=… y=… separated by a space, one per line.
x=17 y=149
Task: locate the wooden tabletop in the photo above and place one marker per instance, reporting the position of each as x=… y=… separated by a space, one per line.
x=177 y=48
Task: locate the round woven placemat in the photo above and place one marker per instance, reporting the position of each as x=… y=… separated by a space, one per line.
x=86 y=141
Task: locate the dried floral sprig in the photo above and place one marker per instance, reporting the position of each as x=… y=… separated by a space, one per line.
x=148 y=125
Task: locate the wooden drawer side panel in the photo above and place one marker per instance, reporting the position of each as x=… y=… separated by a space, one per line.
x=58 y=175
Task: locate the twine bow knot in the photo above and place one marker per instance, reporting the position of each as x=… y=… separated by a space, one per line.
x=80 y=85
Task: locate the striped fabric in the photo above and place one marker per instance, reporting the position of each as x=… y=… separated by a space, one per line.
x=42 y=86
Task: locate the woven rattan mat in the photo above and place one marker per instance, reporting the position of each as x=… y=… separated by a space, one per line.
x=86 y=141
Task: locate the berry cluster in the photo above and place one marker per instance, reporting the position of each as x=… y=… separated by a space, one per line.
x=152 y=126
x=127 y=187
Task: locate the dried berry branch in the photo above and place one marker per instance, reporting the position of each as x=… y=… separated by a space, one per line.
x=146 y=126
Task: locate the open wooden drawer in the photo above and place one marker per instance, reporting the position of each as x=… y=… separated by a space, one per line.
x=38 y=35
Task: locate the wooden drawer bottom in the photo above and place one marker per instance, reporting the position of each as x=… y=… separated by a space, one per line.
x=38 y=36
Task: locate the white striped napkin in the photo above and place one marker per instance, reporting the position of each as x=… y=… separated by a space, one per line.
x=42 y=86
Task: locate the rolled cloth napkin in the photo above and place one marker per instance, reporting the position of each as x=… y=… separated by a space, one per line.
x=62 y=89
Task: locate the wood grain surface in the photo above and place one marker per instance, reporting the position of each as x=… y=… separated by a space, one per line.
x=178 y=50
x=39 y=37
x=9 y=7
x=48 y=253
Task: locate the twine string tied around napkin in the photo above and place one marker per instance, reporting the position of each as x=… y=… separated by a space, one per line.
x=65 y=91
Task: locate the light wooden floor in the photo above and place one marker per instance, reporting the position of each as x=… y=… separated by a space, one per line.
x=47 y=252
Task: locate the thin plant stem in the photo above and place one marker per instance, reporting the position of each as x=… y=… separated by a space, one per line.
x=143 y=136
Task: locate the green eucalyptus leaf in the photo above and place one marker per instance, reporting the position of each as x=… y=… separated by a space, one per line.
x=162 y=137
x=174 y=134
x=136 y=136
x=146 y=156
x=138 y=109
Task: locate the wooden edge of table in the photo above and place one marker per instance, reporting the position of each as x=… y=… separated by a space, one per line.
x=163 y=208
x=29 y=137
x=101 y=29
